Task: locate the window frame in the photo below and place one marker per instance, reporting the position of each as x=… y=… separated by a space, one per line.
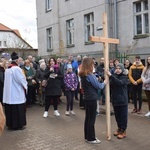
x=141 y=13
x=49 y=37
x=5 y=43
x=70 y=32
x=88 y=27
x=48 y=5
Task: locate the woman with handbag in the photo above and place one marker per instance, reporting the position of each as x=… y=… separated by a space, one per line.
x=30 y=73
x=54 y=76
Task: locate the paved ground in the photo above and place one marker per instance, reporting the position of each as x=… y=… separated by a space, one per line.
x=66 y=132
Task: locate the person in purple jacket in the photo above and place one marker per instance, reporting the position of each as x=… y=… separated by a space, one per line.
x=71 y=82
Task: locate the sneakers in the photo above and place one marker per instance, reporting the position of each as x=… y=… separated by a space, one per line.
x=117 y=132
x=67 y=113
x=97 y=141
x=56 y=113
x=148 y=114
x=139 y=111
x=97 y=113
x=134 y=111
x=122 y=134
x=72 y=112
x=45 y=114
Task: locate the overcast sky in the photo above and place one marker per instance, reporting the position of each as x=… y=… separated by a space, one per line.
x=21 y=15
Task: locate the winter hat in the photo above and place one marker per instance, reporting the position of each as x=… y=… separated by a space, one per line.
x=121 y=66
x=69 y=66
x=14 y=56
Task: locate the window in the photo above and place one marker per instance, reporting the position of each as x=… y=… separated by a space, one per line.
x=89 y=26
x=141 y=17
x=48 y=5
x=4 y=43
x=49 y=39
x=70 y=32
x=0 y=43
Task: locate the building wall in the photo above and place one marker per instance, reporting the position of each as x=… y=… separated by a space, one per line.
x=126 y=30
x=12 y=40
x=68 y=10
x=62 y=11
x=46 y=20
x=82 y=8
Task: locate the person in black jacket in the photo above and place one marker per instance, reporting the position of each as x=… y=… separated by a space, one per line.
x=90 y=86
x=2 y=70
x=40 y=77
x=54 y=76
x=119 y=97
x=100 y=71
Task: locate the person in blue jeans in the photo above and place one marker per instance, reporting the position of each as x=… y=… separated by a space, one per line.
x=90 y=86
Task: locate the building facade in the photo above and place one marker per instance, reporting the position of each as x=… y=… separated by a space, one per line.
x=10 y=38
x=64 y=27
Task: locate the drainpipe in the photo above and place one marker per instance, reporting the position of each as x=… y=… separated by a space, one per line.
x=115 y=25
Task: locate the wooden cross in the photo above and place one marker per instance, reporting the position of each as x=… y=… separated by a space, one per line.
x=106 y=41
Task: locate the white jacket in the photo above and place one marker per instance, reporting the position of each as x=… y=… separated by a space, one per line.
x=146 y=79
x=15 y=85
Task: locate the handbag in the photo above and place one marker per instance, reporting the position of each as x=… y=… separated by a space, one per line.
x=44 y=83
x=2 y=119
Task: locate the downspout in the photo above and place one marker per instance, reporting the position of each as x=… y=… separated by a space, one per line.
x=116 y=26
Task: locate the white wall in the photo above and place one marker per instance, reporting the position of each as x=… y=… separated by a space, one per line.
x=12 y=40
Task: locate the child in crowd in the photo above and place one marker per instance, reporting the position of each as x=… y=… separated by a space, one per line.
x=90 y=85
x=119 y=81
x=71 y=82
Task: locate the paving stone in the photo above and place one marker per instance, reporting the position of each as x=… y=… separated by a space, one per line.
x=66 y=132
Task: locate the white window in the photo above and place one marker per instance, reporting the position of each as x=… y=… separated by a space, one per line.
x=48 y=5
x=89 y=26
x=49 y=39
x=70 y=32
x=141 y=17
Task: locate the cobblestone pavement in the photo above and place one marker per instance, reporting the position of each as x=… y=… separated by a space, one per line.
x=66 y=132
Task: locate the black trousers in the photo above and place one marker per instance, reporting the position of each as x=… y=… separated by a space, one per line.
x=69 y=96
x=121 y=116
x=90 y=117
x=48 y=101
x=31 y=95
x=147 y=92
x=137 y=95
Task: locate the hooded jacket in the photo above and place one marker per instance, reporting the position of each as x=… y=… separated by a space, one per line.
x=135 y=72
x=119 y=90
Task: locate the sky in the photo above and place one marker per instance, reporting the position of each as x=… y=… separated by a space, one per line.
x=21 y=15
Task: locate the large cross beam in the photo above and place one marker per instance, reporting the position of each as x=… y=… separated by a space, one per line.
x=106 y=41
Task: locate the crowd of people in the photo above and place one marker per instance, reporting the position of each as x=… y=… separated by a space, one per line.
x=24 y=82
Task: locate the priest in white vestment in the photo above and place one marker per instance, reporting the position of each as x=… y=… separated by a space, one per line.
x=14 y=95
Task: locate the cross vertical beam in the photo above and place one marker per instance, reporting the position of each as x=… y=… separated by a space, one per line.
x=106 y=41
x=106 y=62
